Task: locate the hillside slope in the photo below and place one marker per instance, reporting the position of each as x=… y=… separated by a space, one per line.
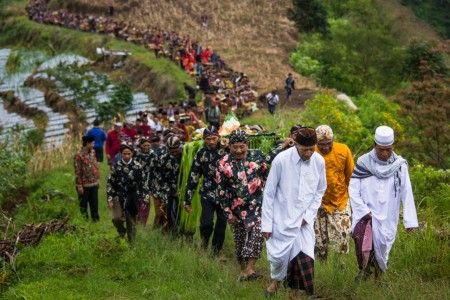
x=252 y=36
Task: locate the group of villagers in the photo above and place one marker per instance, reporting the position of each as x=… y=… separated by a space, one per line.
x=304 y=198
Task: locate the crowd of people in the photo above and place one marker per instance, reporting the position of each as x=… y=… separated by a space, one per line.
x=218 y=82
x=305 y=198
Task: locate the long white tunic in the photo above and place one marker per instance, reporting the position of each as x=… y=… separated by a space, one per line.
x=293 y=193
x=377 y=196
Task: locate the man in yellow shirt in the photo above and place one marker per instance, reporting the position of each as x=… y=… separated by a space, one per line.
x=333 y=222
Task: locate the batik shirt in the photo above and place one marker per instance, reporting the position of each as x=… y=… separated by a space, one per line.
x=274 y=152
x=241 y=186
x=86 y=170
x=204 y=164
x=144 y=160
x=169 y=167
x=124 y=178
x=155 y=175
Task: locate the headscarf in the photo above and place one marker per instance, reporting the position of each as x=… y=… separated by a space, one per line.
x=210 y=130
x=87 y=139
x=324 y=132
x=126 y=145
x=238 y=136
x=173 y=142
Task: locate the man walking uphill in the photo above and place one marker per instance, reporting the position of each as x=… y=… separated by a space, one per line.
x=86 y=178
x=293 y=194
x=380 y=180
x=333 y=220
x=241 y=177
x=205 y=165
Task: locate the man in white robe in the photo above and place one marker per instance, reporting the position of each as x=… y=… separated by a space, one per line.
x=380 y=180
x=292 y=197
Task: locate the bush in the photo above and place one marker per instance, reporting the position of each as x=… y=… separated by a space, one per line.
x=346 y=125
x=13 y=169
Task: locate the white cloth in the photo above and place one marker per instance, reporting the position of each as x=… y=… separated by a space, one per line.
x=378 y=196
x=293 y=193
x=272 y=99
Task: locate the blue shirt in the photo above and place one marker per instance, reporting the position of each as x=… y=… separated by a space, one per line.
x=99 y=136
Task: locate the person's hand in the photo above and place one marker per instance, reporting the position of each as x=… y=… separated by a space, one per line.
x=188 y=208
x=304 y=222
x=80 y=190
x=408 y=230
x=267 y=235
x=233 y=221
x=110 y=204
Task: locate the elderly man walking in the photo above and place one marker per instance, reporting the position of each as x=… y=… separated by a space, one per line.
x=333 y=222
x=378 y=184
x=240 y=177
x=293 y=194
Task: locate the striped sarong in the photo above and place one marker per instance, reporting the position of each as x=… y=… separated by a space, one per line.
x=300 y=274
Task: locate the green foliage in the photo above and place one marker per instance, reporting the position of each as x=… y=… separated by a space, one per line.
x=13 y=169
x=309 y=16
x=431 y=53
x=435 y=12
x=347 y=127
x=84 y=83
x=34 y=138
x=121 y=101
x=431 y=189
x=375 y=110
x=427 y=108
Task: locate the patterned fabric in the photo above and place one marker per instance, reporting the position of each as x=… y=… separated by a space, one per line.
x=333 y=231
x=238 y=136
x=324 y=132
x=358 y=237
x=241 y=186
x=300 y=274
x=86 y=170
x=126 y=182
x=169 y=167
x=247 y=244
x=144 y=160
x=155 y=175
x=274 y=152
x=204 y=165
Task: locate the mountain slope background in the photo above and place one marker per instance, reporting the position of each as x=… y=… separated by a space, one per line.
x=254 y=37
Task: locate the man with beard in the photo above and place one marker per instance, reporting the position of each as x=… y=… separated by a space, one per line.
x=293 y=194
x=126 y=185
x=241 y=177
x=204 y=164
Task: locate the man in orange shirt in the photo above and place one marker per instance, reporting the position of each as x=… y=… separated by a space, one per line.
x=333 y=222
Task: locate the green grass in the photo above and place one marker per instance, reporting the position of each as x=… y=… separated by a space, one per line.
x=92 y=264
x=17 y=31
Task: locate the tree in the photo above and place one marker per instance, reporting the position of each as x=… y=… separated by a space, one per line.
x=309 y=15
x=426 y=104
x=121 y=101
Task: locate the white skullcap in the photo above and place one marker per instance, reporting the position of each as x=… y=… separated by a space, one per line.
x=118 y=124
x=324 y=132
x=384 y=136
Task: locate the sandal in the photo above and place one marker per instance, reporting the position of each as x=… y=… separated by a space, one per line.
x=268 y=294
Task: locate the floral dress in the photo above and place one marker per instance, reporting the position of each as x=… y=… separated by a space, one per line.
x=241 y=186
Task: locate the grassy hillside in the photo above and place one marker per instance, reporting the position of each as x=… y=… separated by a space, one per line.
x=91 y=263
x=161 y=79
